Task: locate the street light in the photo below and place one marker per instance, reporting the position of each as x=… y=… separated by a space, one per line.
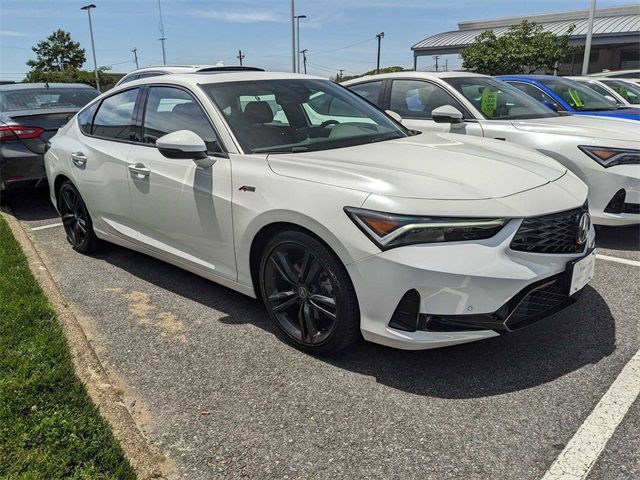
x=93 y=47
x=379 y=36
x=293 y=36
x=298 y=17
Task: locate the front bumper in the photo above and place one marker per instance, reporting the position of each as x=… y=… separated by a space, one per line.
x=470 y=282
x=604 y=185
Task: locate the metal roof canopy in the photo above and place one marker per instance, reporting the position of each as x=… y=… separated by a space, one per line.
x=611 y=25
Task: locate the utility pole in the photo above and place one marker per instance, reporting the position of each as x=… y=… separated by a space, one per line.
x=240 y=56
x=293 y=36
x=436 y=57
x=587 y=45
x=446 y=64
x=298 y=17
x=135 y=56
x=379 y=36
x=341 y=74
x=93 y=46
x=304 y=59
x=162 y=37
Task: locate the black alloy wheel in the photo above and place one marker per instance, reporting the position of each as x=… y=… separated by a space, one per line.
x=308 y=293
x=76 y=220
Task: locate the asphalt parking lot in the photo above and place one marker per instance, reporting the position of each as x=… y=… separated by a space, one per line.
x=216 y=390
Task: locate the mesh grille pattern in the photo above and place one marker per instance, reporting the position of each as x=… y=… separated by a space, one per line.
x=555 y=233
x=539 y=303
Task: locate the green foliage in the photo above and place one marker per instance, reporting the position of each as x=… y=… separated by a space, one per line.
x=71 y=75
x=524 y=48
x=57 y=52
x=394 y=69
x=49 y=428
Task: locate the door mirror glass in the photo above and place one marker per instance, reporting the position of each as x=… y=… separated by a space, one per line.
x=184 y=144
x=396 y=116
x=446 y=114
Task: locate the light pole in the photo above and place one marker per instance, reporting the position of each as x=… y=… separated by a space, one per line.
x=240 y=56
x=379 y=36
x=298 y=17
x=93 y=47
x=304 y=59
x=164 y=57
x=293 y=36
x=587 y=45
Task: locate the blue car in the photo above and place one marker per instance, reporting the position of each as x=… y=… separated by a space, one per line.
x=566 y=95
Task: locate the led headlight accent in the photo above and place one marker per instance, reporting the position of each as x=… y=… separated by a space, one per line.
x=608 y=157
x=388 y=230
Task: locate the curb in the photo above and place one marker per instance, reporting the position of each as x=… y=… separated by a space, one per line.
x=147 y=463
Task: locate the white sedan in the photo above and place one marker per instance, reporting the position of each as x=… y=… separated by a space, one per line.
x=603 y=152
x=623 y=92
x=342 y=223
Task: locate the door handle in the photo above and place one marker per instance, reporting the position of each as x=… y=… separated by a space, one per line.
x=78 y=159
x=139 y=170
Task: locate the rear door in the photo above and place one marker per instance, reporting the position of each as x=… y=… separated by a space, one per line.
x=181 y=210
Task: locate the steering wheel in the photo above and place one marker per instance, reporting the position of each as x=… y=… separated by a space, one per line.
x=326 y=123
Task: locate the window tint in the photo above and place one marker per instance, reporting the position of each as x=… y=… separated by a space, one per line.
x=171 y=109
x=417 y=99
x=46 y=98
x=536 y=93
x=369 y=90
x=150 y=74
x=85 y=118
x=279 y=115
x=627 y=90
x=578 y=96
x=128 y=79
x=115 y=116
x=594 y=86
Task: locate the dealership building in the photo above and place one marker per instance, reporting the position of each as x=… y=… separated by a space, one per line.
x=615 y=44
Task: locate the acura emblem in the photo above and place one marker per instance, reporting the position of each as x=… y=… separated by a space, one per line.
x=584 y=223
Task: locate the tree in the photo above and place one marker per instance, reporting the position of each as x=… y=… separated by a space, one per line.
x=57 y=53
x=72 y=75
x=524 y=48
x=370 y=72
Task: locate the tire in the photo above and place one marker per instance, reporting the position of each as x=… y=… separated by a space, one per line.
x=308 y=293
x=76 y=219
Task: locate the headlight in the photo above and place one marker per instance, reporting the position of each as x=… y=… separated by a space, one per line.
x=608 y=157
x=388 y=230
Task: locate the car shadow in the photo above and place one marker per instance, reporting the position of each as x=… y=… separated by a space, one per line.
x=619 y=238
x=580 y=335
x=31 y=204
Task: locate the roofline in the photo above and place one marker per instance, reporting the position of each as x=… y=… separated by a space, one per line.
x=547 y=17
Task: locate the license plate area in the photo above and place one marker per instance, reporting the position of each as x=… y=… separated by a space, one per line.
x=581 y=271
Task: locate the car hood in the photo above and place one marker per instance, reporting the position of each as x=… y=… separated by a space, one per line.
x=428 y=166
x=582 y=126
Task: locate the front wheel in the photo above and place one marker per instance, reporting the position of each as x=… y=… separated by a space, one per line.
x=76 y=220
x=308 y=293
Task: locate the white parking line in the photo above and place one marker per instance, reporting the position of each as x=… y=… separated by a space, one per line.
x=582 y=451
x=626 y=261
x=44 y=227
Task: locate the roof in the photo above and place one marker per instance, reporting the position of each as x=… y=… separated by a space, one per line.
x=608 y=22
x=31 y=86
x=412 y=74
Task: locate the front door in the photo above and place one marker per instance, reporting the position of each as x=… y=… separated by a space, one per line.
x=181 y=210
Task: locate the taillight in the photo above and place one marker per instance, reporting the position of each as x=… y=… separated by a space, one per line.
x=19 y=132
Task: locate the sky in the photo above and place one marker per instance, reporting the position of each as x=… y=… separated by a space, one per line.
x=339 y=34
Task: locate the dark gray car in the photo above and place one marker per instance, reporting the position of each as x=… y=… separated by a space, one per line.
x=30 y=114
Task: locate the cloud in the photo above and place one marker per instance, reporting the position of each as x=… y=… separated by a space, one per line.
x=249 y=16
x=11 y=33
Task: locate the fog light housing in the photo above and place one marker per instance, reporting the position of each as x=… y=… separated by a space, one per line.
x=616 y=204
x=406 y=314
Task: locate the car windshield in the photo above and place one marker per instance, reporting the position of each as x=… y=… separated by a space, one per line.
x=627 y=90
x=45 y=98
x=578 y=96
x=498 y=100
x=299 y=115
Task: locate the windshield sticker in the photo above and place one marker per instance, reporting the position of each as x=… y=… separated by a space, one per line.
x=489 y=101
x=577 y=101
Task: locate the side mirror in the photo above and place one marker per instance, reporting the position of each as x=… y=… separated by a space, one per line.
x=395 y=115
x=447 y=114
x=185 y=145
x=551 y=105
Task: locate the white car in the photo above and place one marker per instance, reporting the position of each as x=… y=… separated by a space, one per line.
x=159 y=70
x=603 y=152
x=631 y=75
x=341 y=227
x=623 y=92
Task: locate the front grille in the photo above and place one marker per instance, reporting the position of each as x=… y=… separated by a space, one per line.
x=555 y=233
x=539 y=303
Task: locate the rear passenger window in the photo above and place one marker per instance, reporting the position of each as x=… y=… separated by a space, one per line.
x=369 y=90
x=85 y=118
x=171 y=109
x=115 y=116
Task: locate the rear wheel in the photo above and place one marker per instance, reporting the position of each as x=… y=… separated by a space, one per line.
x=76 y=219
x=308 y=293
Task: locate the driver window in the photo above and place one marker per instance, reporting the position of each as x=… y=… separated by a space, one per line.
x=171 y=109
x=536 y=93
x=417 y=99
